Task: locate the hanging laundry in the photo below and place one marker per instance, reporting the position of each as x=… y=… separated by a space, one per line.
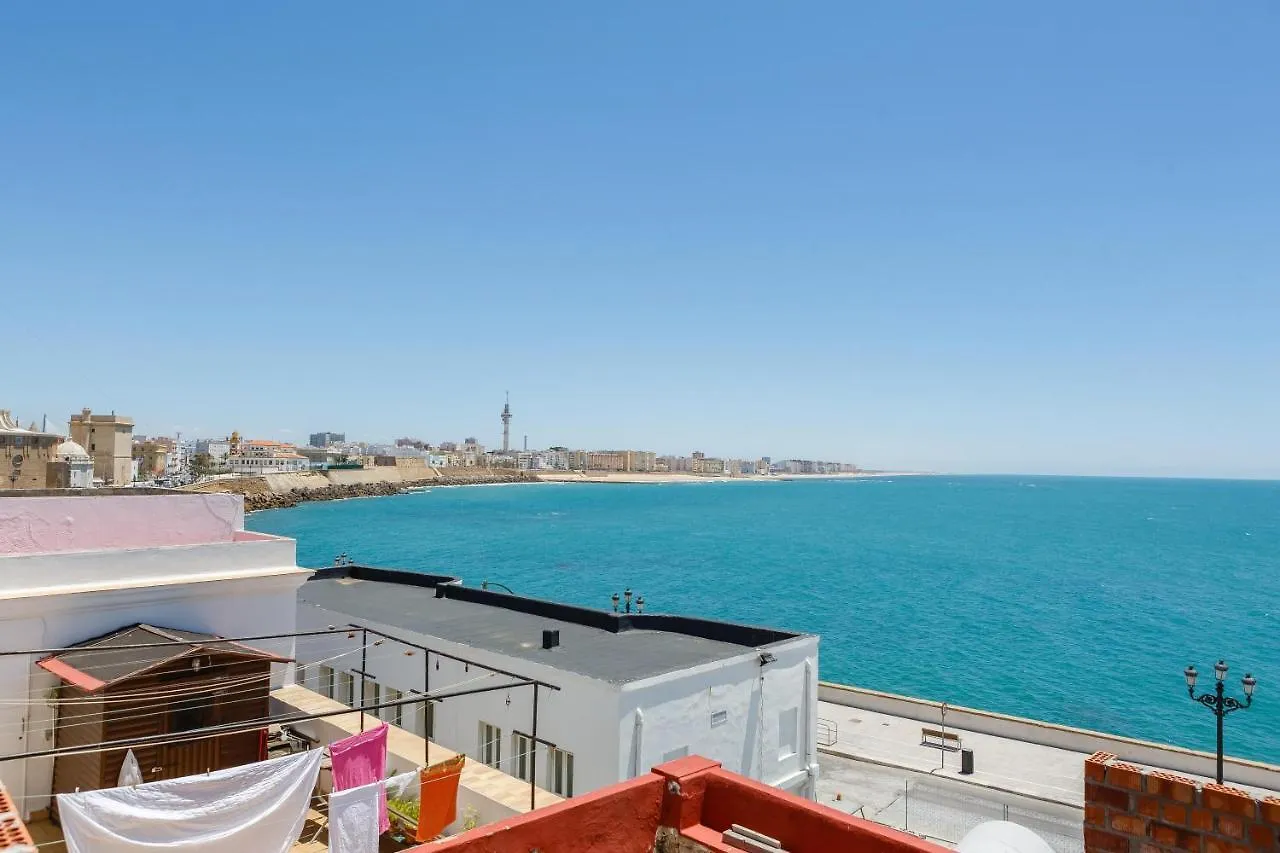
x=130 y=772
x=255 y=807
x=438 y=797
x=361 y=760
x=353 y=819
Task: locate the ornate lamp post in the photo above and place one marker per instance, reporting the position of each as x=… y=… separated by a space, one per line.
x=1219 y=702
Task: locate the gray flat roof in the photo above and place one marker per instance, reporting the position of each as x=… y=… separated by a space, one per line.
x=598 y=644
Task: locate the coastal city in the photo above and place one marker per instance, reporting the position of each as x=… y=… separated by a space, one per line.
x=887 y=464
x=98 y=449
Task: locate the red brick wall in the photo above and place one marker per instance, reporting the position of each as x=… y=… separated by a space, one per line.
x=1129 y=809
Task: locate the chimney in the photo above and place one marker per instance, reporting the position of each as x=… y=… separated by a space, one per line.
x=550 y=639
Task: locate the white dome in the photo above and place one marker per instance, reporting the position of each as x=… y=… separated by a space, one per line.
x=1002 y=836
x=69 y=449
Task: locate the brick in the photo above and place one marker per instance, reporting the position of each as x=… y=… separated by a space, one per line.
x=1149 y=806
x=1095 y=815
x=1164 y=834
x=1150 y=848
x=1095 y=766
x=1129 y=824
x=1110 y=797
x=1171 y=786
x=1215 y=845
x=1100 y=841
x=1175 y=813
x=1262 y=837
x=1125 y=776
x=1270 y=808
x=1201 y=819
x=1220 y=798
x=1230 y=826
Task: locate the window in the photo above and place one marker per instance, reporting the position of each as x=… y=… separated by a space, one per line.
x=489 y=748
x=395 y=714
x=346 y=689
x=188 y=714
x=521 y=749
x=559 y=772
x=372 y=690
x=719 y=718
x=326 y=686
x=424 y=717
x=788 y=726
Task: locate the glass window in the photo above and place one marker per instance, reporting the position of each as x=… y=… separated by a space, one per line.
x=521 y=747
x=560 y=772
x=326 y=685
x=489 y=747
x=395 y=714
x=346 y=689
x=372 y=691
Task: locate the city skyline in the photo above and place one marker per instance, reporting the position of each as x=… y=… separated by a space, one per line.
x=989 y=238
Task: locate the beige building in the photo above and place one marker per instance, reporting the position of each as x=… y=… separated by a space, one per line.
x=25 y=455
x=621 y=460
x=109 y=440
x=152 y=458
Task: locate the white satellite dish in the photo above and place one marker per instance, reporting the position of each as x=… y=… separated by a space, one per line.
x=1002 y=836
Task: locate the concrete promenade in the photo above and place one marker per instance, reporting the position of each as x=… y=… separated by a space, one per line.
x=878 y=768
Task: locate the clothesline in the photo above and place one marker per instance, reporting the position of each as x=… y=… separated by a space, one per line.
x=37 y=691
x=173 y=693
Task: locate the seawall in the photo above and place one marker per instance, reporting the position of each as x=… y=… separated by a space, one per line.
x=277 y=491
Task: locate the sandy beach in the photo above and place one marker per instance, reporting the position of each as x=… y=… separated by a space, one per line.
x=618 y=477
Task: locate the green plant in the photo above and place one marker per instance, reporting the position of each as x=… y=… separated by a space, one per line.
x=470 y=819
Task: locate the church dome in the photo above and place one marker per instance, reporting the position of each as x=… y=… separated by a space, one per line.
x=71 y=452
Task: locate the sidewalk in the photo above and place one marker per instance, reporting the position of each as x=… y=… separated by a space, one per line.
x=1000 y=764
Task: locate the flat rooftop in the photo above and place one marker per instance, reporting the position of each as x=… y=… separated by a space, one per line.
x=613 y=647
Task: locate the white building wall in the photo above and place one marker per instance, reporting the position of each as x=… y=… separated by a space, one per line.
x=734 y=712
x=581 y=717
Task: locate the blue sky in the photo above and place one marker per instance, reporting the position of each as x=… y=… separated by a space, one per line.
x=990 y=236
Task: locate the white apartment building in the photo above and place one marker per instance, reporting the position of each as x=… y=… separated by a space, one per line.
x=267 y=457
x=634 y=690
x=74 y=568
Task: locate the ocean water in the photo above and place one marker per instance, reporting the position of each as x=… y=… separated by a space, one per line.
x=1073 y=600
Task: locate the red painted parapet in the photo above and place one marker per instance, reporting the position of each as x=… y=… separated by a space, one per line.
x=1131 y=809
x=685 y=805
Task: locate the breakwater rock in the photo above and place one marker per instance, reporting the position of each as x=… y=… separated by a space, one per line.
x=258 y=495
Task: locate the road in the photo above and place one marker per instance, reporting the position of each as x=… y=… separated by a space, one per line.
x=940 y=808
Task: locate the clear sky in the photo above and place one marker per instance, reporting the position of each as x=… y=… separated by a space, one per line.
x=983 y=236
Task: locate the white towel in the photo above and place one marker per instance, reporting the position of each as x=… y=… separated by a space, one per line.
x=257 y=807
x=353 y=819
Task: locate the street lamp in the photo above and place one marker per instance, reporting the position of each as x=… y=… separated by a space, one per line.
x=1217 y=701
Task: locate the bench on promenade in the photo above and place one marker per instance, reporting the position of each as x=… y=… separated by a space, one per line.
x=938 y=739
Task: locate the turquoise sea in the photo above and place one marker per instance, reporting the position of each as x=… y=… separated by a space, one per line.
x=1074 y=600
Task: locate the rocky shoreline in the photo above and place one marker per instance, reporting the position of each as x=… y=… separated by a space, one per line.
x=283 y=500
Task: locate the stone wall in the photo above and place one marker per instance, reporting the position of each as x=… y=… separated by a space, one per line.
x=1130 y=809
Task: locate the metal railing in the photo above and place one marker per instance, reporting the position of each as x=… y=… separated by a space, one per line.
x=828 y=732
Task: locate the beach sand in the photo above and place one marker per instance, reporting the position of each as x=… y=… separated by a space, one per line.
x=619 y=477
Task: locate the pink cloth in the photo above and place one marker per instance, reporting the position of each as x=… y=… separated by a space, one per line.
x=361 y=760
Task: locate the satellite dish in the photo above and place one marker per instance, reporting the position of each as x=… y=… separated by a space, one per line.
x=1002 y=836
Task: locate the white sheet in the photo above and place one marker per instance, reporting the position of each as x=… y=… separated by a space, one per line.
x=353 y=819
x=257 y=808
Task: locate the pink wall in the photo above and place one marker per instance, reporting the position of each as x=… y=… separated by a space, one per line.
x=44 y=525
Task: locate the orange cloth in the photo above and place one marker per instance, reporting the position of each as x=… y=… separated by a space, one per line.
x=438 y=797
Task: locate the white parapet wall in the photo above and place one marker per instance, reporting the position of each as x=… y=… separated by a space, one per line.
x=1160 y=755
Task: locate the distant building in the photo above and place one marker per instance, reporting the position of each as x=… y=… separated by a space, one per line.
x=702 y=464
x=152 y=457
x=324 y=439
x=72 y=467
x=25 y=454
x=621 y=460
x=217 y=449
x=109 y=440
x=267 y=457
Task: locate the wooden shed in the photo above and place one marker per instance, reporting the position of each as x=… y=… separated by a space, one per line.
x=110 y=693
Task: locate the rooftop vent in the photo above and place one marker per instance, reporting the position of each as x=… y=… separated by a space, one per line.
x=550 y=639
